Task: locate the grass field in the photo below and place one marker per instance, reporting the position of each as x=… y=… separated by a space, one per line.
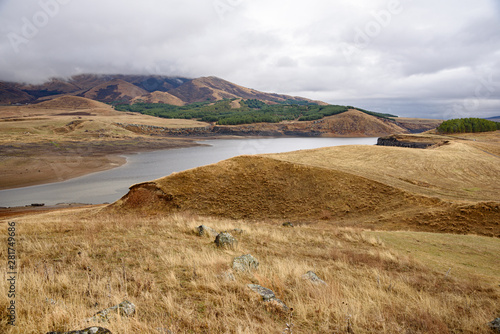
x=77 y=262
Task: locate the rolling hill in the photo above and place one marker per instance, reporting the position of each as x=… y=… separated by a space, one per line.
x=447 y=188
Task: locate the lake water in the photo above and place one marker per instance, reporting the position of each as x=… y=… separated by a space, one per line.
x=110 y=185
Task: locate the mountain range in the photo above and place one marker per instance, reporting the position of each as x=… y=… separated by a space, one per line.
x=132 y=88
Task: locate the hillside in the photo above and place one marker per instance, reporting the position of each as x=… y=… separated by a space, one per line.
x=114 y=90
x=9 y=94
x=159 y=97
x=382 y=187
x=71 y=102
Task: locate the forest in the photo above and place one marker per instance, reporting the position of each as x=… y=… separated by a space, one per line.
x=468 y=125
x=251 y=111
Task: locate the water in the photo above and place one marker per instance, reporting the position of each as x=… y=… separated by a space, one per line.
x=110 y=185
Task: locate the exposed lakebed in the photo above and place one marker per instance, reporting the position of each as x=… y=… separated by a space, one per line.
x=110 y=185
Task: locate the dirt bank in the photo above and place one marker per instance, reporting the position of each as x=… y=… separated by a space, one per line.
x=28 y=164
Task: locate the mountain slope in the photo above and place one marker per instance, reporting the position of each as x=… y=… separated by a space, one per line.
x=159 y=97
x=114 y=90
x=9 y=94
x=215 y=89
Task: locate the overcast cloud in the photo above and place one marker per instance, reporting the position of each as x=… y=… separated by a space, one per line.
x=422 y=58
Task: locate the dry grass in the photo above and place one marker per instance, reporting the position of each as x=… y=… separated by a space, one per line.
x=458 y=171
x=86 y=260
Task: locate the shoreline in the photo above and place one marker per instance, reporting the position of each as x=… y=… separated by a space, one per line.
x=28 y=165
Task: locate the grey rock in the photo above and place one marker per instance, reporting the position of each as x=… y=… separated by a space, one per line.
x=204 y=230
x=287 y=224
x=124 y=309
x=311 y=276
x=245 y=263
x=267 y=295
x=225 y=240
x=90 y=330
x=495 y=325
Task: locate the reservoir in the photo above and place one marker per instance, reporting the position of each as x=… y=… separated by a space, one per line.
x=108 y=186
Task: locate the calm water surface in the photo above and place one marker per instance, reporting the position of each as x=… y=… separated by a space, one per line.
x=110 y=185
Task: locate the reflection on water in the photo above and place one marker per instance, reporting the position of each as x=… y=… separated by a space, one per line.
x=110 y=185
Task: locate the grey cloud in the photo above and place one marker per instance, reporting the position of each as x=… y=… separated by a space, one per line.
x=424 y=59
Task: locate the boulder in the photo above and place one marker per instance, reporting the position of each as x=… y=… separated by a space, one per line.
x=312 y=277
x=245 y=263
x=204 y=230
x=90 y=330
x=495 y=325
x=267 y=295
x=225 y=240
x=124 y=309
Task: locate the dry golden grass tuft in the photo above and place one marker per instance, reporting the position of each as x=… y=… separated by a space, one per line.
x=75 y=263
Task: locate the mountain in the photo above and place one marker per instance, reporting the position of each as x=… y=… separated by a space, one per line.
x=148 y=88
x=114 y=90
x=159 y=97
x=494 y=119
x=9 y=94
x=215 y=89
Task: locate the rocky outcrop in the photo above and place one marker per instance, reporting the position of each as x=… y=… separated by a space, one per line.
x=393 y=141
x=90 y=330
x=245 y=263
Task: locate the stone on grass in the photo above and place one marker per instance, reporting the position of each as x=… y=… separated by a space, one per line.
x=124 y=309
x=245 y=263
x=90 y=330
x=495 y=325
x=267 y=295
x=311 y=276
x=204 y=230
x=225 y=240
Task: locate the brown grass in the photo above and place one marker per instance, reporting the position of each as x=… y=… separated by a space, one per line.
x=86 y=260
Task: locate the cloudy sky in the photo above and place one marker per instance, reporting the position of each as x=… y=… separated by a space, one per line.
x=424 y=58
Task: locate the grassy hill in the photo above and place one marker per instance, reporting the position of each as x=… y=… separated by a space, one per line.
x=371 y=222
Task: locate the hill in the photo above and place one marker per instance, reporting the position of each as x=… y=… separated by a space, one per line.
x=159 y=97
x=382 y=187
x=9 y=94
x=71 y=102
x=114 y=90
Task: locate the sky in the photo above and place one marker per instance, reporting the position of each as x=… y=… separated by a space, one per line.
x=435 y=59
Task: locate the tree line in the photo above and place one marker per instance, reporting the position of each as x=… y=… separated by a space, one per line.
x=251 y=111
x=468 y=125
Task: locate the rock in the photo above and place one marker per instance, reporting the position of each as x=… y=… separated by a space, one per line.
x=204 y=230
x=124 y=309
x=287 y=224
x=225 y=240
x=245 y=263
x=311 y=276
x=495 y=325
x=267 y=295
x=90 y=330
